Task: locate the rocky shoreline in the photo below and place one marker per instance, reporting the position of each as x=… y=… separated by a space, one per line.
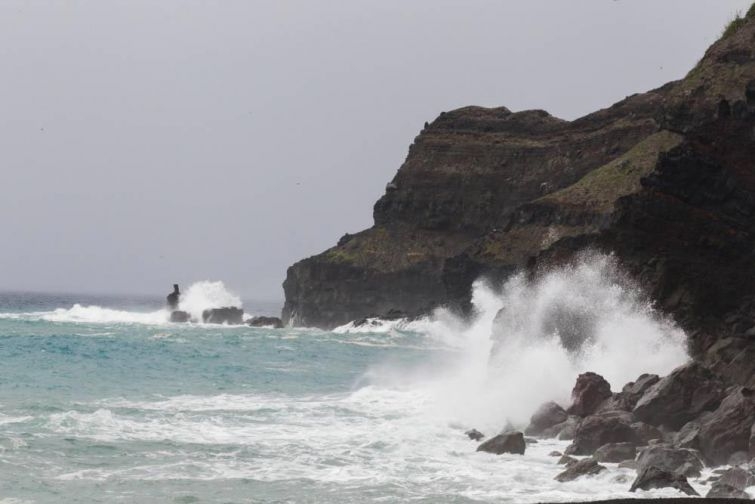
x=667 y=429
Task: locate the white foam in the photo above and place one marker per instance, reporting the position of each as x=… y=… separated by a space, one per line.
x=205 y=295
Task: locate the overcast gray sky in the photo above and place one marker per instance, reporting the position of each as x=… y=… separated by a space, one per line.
x=144 y=142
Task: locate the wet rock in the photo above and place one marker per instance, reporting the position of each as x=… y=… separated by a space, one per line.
x=564 y=430
x=653 y=477
x=752 y=443
x=226 y=315
x=688 y=436
x=179 y=317
x=546 y=416
x=738 y=478
x=645 y=433
x=680 y=397
x=590 y=390
x=585 y=467
x=555 y=454
x=598 y=430
x=512 y=442
x=728 y=429
x=633 y=391
x=676 y=460
x=723 y=491
x=738 y=459
x=474 y=434
x=567 y=460
x=615 y=452
x=529 y=440
x=261 y=321
x=628 y=464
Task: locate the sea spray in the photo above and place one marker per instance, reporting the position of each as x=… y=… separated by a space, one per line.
x=205 y=295
x=528 y=339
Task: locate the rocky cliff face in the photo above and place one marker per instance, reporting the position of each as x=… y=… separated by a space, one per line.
x=664 y=180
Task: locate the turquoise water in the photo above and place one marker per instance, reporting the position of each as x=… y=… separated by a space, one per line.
x=102 y=401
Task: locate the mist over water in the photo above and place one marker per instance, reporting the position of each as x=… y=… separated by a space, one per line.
x=111 y=405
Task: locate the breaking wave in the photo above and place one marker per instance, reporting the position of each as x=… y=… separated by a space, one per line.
x=199 y=296
x=528 y=339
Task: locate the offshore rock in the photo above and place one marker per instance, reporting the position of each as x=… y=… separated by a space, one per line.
x=652 y=477
x=474 y=435
x=585 y=467
x=228 y=315
x=683 y=395
x=179 y=316
x=546 y=416
x=512 y=442
x=589 y=392
x=262 y=321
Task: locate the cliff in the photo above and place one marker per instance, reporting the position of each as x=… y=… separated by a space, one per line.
x=664 y=180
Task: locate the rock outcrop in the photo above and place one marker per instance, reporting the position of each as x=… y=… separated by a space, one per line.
x=664 y=180
x=653 y=477
x=262 y=321
x=589 y=392
x=584 y=467
x=228 y=315
x=546 y=416
x=511 y=442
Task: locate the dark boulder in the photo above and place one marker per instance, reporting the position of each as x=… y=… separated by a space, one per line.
x=653 y=477
x=645 y=433
x=546 y=416
x=628 y=464
x=512 y=442
x=585 y=467
x=555 y=454
x=633 y=391
x=680 y=397
x=676 y=460
x=615 y=452
x=752 y=442
x=474 y=434
x=179 y=317
x=227 y=315
x=273 y=322
x=728 y=429
x=738 y=478
x=590 y=390
x=567 y=460
x=564 y=430
x=723 y=491
x=598 y=430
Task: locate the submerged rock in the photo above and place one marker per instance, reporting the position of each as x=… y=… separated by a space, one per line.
x=590 y=390
x=227 y=315
x=546 y=416
x=567 y=460
x=585 y=467
x=512 y=442
x=474 y=434
x=179 y=316
x=683 y=395
x=652 y=477
x=262 y=321
x=676 y=460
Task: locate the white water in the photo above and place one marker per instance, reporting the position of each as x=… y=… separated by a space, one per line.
x=199 y=296
x=528 y=341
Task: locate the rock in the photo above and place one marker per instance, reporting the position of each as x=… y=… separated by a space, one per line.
x=512 y=442
x=173 y=298
x=633 y=391
x=598 y=430
x=590 y=390
x=261 y=321
x=738 y=459
x=688 y=436
x=585 y=467
x=179 y=316
x=628 y=464
x=752 y=442
x=567 y=460
x=738 y=478
x=723 y=491
x=564 y=430
x=652 y=477
x=676 y=460
x=546 y=416
x=529 y=440
x=728 y=429
x=228 y=315
x=474 y=434
x=615 y=452
x=645 y=434
x=555 y=454
x=680 y=397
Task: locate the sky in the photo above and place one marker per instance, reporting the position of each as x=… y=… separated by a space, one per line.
x=147 y=142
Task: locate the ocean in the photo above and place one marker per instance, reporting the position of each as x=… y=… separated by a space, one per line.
x=103 y=401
